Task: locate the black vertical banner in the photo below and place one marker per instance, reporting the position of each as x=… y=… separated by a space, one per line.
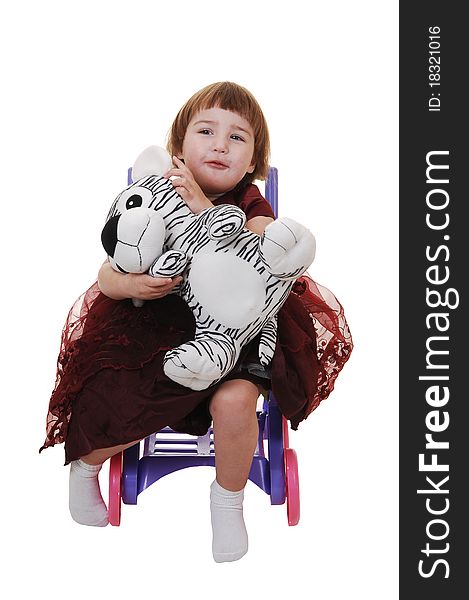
x=434 y=267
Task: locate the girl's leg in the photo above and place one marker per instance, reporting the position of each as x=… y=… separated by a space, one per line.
x=233 y=409
x=97 y=457
x=235 y=429
x=85 y=500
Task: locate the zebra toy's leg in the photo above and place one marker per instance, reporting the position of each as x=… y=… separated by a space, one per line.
x=224 y=221
x=171 y=263
x=203 y=361
x=287 y=248
x=267 y=342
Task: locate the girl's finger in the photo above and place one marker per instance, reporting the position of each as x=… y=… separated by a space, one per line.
x=179 y=169
x=182 y=191
x=172 y=172
x=159 y=282
x=178 y=183
x=179 y=162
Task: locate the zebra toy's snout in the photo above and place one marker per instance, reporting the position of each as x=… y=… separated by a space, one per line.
x=134 y=239
x=109 y=235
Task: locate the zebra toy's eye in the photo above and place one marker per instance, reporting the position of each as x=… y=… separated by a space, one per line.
x=134 y=201
x=136 y=196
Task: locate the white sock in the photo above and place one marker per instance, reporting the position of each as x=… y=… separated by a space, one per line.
x=230 y=538
x=85 y=501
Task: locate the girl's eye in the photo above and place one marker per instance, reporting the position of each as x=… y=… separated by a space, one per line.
x=204 y=131
x=237 y=137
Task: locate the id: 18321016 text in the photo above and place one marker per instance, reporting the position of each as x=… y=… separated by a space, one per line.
x=434 y=68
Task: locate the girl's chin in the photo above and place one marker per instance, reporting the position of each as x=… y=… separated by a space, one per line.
x=213 y=190
x=215 y=193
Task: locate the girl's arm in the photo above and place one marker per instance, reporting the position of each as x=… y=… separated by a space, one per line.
x=258 y=224
x=120 y=286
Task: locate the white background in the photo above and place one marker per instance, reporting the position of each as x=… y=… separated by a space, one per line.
x=86 y=86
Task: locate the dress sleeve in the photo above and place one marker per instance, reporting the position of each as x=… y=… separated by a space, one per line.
x=253 y=204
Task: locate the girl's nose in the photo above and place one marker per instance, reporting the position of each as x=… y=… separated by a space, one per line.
x=220 y=145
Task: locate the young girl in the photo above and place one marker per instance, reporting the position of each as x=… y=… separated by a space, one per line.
x=111 y=390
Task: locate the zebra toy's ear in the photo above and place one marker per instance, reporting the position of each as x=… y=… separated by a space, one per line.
x=154 y=160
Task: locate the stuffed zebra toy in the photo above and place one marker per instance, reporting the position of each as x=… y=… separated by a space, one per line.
x=234 y=281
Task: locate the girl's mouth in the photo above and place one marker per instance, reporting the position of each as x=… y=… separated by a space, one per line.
x=217 y=165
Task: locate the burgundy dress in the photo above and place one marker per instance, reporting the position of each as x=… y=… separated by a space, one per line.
x=110 y=386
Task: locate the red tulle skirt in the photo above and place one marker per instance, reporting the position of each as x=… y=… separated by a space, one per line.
x=111 y=389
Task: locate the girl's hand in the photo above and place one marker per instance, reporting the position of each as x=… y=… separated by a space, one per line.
x=187 y=187
x=146 y=287
x=120 y=286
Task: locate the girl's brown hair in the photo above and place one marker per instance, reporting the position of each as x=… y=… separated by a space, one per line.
x=228 y=96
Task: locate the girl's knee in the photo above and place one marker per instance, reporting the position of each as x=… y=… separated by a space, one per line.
x=234 y=397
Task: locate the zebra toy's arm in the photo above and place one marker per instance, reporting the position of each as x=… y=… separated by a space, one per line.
x=169 y=264
x=223 y=221
x=267 y=341
x=287 y=248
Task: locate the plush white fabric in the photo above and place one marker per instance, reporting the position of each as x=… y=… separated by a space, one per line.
x=234 y=281
x=215 y=282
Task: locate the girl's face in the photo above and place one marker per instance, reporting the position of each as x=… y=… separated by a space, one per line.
x=218 y=149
